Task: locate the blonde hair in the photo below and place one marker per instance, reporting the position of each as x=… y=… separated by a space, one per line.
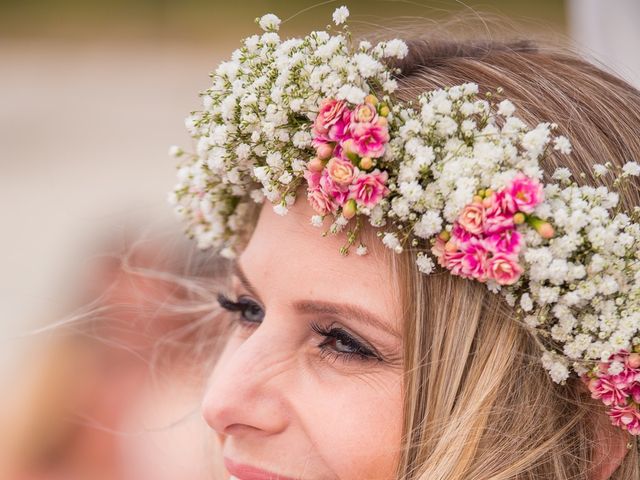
x=478 y=404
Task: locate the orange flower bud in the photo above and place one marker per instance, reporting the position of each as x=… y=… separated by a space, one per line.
x=349 y=209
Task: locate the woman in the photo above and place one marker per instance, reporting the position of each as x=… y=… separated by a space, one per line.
x=381 y=365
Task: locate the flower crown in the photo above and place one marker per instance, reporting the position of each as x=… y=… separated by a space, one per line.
x=454 y=176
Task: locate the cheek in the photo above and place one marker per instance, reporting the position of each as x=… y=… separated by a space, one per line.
x=356 y=425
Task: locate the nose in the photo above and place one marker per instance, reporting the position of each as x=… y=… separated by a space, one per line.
x=247 y=389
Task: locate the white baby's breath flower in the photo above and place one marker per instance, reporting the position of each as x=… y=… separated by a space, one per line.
x=280 y=209
x=506 y=108
x=562 y=144
x=425 y=263
x=600 y=169
x=317 y=220
x=631 y=168
x=526 y=302
x=361 y=250
x=175 y=151
x=562 y=174
x=351 y=93
x=390 y=240
x=340 y=15
x=285 y=178
x=269 y=22
x=396 y=48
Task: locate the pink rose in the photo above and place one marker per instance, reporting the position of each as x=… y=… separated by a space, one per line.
x=369 y=138
x=338 y=192
x=341 y=171
x=321 y=202
x=332 y=121
x=504 y=268
x=472 y=218
x=365 y=113
x=507 y=241
x=369 y=188
x=522 y=194
x=626 y=417
x=475 y=260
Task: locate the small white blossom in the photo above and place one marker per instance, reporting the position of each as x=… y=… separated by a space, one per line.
x=425 y=263
x=361 y=250
x=396 y=48
x=269 y=22
x=391 y=241
x=340 y=15
x=600 y=169
x=317 y=220
x=631 y=168
x=562 y=144
x=506 y=108
x=175 y=151
x=280 y=209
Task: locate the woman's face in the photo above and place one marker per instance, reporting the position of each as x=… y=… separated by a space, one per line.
x=309 y=385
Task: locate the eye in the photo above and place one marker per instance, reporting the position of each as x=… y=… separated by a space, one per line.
x=249 y=310
x=341 y=345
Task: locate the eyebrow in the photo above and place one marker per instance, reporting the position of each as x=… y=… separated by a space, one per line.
x=335 y=309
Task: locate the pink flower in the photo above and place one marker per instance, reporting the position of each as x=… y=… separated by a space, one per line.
x=332 y=121
x=523 y=194
x=365 y=113
x=472 y=218
x=449 y=255
x=507 y=241
x=626 y=417
x=475 y=260
x=607 y=390
x=338 y=192
x=321 y=201
x=460 y=234
x=313 y=179
x=341 y=171
x=504 y=268
x=369 y=138
x=497 y=218
x=369 y=188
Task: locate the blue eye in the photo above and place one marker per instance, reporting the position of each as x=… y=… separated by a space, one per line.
x=249 y=310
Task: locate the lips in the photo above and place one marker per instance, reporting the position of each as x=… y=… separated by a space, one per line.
x=239 y=471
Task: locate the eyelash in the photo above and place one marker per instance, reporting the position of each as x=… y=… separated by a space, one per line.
x=360 y=352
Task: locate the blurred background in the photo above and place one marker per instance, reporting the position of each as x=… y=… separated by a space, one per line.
x=91 y=96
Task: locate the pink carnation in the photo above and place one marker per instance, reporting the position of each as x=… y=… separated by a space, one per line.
x=522 y=194
x=369 y=138
x=504 y=268
x=321 y=201
x=332 y=121
x=626 y=417
x=369 y=188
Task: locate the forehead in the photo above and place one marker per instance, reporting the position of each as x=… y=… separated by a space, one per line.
x=287 y=256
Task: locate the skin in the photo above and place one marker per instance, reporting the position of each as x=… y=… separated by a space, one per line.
x=276 y=399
